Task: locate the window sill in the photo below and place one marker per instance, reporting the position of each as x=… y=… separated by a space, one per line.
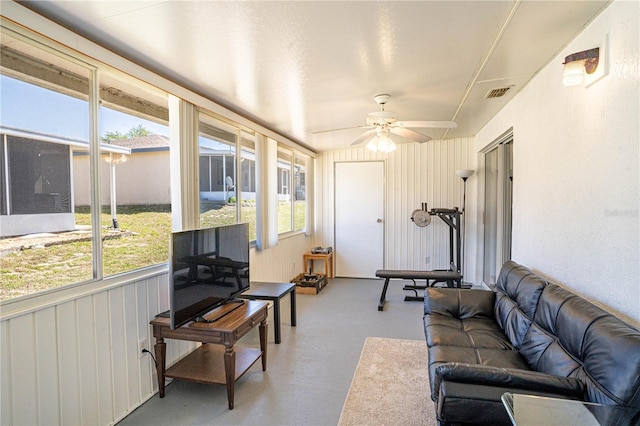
x=32 y=303
x=291 y=234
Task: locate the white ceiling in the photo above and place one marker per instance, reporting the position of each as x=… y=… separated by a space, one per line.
x=298 y=67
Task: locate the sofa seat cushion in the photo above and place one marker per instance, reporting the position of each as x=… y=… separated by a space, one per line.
x=472 y=394
x=442 y=354
x=469 y=333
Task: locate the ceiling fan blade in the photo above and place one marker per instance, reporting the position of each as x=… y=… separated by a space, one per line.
x=341 y=128
x=363 y=137
x=410 y=134
x=434 y=124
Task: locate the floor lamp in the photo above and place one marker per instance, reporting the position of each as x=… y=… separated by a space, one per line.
x=464 y=174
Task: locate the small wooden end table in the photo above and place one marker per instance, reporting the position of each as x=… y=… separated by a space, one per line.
x=273 y=292
x=217 y=360
x=327 y=258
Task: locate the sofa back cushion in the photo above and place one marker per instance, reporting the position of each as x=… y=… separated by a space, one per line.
x=517 y=293
x=571 y=337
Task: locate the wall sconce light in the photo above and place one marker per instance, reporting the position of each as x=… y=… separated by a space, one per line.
x=587 y=66
x=381 y=143
x=111 y=159
x=578 y=64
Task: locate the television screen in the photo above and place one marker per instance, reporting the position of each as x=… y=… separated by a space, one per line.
x=208 y=268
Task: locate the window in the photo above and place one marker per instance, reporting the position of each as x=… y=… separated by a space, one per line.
x=291 y=190
x=300 y=192
x=227 y=188
x=3 y=183
x=45 y=123
x=248 y=208
x=135 y=192
x=84 y=159
x=285 y=210
x=47 y=154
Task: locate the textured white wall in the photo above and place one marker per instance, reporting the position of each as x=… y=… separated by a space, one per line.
x=576 y=169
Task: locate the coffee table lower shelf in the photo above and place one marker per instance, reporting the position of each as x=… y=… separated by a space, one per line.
x=206 y=364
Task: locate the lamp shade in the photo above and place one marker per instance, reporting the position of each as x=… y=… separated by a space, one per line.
x=465 y=174
x=381 y=143
x=385 y=144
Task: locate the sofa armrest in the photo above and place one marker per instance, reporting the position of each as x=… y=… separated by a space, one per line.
x=525 y=380
x=459 y=303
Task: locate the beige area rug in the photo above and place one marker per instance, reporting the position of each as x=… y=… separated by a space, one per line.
x=390 y=385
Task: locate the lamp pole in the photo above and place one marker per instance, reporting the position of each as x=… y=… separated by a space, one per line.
x=464 y=174
x=112 y=181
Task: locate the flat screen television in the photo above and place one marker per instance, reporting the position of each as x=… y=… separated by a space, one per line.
x=209 y=267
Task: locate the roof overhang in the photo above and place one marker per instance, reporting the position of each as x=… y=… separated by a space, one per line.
x=78 y=144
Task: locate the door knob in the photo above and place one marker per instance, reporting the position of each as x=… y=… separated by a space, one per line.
x=379 y=220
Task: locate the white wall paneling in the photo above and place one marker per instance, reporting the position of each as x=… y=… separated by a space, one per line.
x=415 y=173
x=77 y=362
x=282 y=262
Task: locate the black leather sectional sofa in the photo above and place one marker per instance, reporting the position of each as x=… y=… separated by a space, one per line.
x=527 y=336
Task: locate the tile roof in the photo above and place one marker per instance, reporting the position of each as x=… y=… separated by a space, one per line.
x=144 y=142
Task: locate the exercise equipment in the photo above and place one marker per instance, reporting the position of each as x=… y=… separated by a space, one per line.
x=452 y=277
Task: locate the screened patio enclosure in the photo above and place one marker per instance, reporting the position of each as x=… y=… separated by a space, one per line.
x=36 y=181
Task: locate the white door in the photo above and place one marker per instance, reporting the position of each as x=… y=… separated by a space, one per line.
x=359 y=218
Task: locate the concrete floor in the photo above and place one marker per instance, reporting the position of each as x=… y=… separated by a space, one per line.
x=308 y=374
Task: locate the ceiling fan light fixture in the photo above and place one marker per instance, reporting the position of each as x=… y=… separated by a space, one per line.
x=385 y=144
x=381 y=143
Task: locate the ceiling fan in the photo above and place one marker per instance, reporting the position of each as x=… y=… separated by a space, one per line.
x=382 y=122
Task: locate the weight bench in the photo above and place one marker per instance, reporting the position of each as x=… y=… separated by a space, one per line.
x=452 y=278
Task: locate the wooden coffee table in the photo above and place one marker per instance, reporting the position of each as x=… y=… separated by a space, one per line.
x=218 y=360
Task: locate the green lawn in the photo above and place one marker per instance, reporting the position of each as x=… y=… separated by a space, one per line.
x=145 y=243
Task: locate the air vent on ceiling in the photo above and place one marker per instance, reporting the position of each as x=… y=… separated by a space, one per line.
x=497 y=93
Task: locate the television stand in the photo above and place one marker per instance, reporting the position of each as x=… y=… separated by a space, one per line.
x=218 y=360
x=238 y=302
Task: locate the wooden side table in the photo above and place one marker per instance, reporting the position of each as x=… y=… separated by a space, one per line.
x=328 y=262
x=217 y=360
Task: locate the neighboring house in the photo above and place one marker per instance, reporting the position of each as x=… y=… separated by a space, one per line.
x=57 y=164
x=218 y=174
x=148 y=168
x=143 y=178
